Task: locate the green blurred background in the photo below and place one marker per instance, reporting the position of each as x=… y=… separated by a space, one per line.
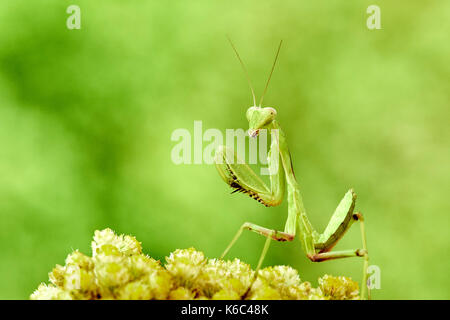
x=86 y=118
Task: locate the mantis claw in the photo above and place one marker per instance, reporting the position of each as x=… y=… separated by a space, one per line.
x=242 y=179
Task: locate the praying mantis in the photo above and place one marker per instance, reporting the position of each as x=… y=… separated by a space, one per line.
x=241 y=178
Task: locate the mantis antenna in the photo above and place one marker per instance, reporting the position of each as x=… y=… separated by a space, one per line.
x=270 y=75
x=245 y=70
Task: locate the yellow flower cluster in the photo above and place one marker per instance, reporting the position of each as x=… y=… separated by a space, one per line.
x=119 y=270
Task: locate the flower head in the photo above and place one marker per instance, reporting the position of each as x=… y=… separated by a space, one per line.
x=119 y=270
x=339 y=288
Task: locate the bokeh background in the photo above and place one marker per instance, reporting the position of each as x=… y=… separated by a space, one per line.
x=86 y=118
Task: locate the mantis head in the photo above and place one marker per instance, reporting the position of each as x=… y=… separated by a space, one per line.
x=259 y=118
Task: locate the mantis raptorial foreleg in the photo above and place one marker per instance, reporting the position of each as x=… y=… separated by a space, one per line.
x=243 y=179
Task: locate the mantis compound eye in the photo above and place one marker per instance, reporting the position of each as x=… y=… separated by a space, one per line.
x=272 y=111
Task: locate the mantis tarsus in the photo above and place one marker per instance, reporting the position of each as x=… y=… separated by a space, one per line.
x=242 y=178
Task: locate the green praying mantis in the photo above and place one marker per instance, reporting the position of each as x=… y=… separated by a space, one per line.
x=240 y=177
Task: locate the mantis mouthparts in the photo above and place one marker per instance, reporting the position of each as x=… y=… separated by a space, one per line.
x=253 y=133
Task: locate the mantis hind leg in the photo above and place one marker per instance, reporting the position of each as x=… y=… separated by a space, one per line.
x=342 y=219
x=325 y=254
